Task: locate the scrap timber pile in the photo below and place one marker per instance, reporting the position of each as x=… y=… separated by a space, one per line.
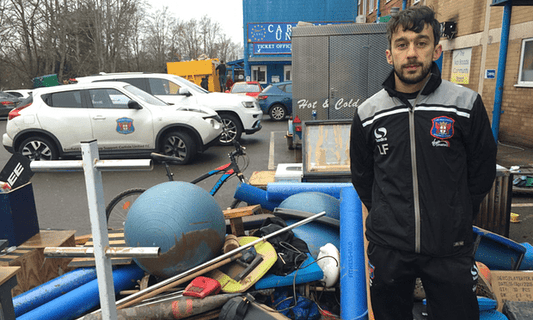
x=285 y=255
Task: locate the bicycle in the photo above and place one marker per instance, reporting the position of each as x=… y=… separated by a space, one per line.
x=118 y=207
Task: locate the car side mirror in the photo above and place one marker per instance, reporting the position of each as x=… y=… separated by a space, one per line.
x=184 y=92
x=132 y=104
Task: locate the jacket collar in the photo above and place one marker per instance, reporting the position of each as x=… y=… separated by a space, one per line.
x=434 y=82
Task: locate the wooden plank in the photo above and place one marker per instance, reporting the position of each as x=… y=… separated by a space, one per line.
x=7 y=273
x=49 y=238
x=116 y=239
x=242 y=212
x=81 y=240
x=35 y=269
x=261 y=179
x=112 y=243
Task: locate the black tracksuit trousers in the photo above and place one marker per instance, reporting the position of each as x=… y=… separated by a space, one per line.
x=449 y=284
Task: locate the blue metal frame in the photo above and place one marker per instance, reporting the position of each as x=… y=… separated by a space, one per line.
x=500 y=76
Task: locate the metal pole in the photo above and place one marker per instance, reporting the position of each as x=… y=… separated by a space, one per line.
x=112 y=252
x=500 y=77
x=221 y=257
x=95 y=199
x=102 y=165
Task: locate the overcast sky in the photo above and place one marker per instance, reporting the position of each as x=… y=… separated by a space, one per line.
x=227 y=13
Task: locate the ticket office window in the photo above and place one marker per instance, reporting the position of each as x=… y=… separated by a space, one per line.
x=259 y=74
x=287 y=73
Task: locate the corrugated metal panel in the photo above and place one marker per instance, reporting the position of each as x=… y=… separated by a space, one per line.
x=348 y=79
x=310 y=66
x=339 y=29
x=380 y=68
x=337 y=68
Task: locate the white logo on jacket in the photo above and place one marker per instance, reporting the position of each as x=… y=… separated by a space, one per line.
x=381 y=136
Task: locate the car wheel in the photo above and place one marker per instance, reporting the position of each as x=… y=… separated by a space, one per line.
x=179 y=145
x=277 y=112
x=233 y=129
x=38 y=148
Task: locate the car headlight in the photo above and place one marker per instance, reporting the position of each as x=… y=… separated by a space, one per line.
x=192 y=109
x=249 y=104
x=215 y=121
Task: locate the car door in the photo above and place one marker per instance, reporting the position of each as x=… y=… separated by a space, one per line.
x=67 y=118
x=287 y=99
x=168 y=91
x=117 y=127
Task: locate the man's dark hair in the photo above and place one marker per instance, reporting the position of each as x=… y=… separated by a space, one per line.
x=414 y=19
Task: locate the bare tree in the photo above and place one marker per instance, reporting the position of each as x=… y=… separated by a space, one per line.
x=159 y=30
x=75 y=38
x=209 y=31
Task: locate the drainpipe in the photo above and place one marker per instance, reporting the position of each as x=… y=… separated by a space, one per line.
x=378 y=13
x=504 y=42
x=404 y=4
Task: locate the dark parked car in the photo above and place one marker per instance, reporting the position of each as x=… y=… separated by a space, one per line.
x=276 y=100
x=7 y=103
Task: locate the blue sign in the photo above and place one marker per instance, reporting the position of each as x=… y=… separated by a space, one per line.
x=273 y=48
x=490 y=74
x=275 y=32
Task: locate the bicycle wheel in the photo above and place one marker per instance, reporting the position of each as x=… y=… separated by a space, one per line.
x=117 y=210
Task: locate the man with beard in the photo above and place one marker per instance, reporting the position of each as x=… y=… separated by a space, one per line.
x=422 y=159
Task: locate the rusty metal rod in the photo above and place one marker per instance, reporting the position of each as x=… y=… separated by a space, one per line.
x=112 y=252
x=219 y=258
x=176 y=283
x=198 y=270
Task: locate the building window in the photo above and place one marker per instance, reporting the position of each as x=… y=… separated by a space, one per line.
x=525 y=75
x=416 y=1
x=259 y=74
x=287 y=73
x=370 y=6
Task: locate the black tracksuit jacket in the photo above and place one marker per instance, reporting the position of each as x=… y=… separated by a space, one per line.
x=422 y=166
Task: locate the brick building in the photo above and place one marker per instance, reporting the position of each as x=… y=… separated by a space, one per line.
x=471 y=55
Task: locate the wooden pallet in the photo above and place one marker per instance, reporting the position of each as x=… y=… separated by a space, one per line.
x=116 y=239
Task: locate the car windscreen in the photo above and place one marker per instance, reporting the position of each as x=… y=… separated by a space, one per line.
x=241 y=88
x=189 y=84
x=145 y=96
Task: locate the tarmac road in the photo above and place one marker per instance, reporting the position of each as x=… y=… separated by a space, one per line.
x=61 y=198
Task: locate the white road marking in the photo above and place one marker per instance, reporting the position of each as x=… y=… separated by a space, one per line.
x=515 y=205
x=271 y=165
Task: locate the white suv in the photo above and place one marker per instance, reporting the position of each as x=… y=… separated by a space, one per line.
x=125 y=121
x=240 y=114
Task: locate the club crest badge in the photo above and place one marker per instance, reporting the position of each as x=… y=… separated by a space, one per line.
x=125 y=126
x=443 y=127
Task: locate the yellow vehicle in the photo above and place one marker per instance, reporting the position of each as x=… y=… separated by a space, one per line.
x=196 y=70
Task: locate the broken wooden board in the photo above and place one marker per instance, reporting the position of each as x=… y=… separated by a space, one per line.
x=116 y=239
x=226 y=274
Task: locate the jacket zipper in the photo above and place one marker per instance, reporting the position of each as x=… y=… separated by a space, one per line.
x=415 y=176
x=416 y=195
